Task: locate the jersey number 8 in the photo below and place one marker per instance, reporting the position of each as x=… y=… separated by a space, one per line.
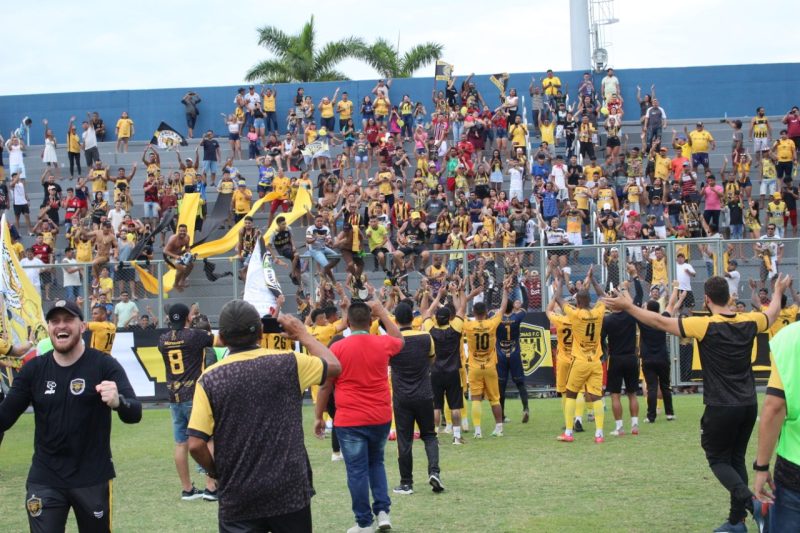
x=175 y=361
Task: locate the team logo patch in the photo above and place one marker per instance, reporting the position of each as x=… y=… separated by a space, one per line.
x=98 y=514
x=51 y=387
x=77 y=386
x=34 y=506
x=534 y=347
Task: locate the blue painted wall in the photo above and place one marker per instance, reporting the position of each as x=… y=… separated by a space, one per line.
x=688 y=92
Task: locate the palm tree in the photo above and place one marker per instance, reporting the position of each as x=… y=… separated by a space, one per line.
x=389 y=63
x=298 y=59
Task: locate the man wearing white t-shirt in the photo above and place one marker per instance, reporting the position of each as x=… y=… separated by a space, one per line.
x=684 y=272
x=558 y=175
x=125 y=312
x=89 y=141
x=251 y=99
x=72 y=276
x=16 y=163
x=733 y=278
x=116 y=215
x=610 y=85
x=515 y=181
x=32 y=265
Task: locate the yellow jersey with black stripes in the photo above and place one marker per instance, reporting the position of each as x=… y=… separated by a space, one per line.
x=481 y=338
x=563 y=335
x=587 y=324
x=103 y=334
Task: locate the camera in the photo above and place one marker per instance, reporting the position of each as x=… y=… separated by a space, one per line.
x=270 y=324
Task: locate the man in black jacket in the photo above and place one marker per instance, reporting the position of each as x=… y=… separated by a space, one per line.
x=73 y=390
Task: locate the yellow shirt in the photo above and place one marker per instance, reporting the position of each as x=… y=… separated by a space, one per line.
x=326 y=110
x=775 y=211
x=550 y=85
x=563 y=336
x=785 y=149
x=574 y=221
x=19 y=249
x=225 y=187
x=586 y=329
x=589 y=171
x=519 y=134
x=381 y=107
x=124 y=126
x=189 y=176
x=345 y=109
x=269 y=103
x=605 y=196
x=103 y=334
x=633 y=193
x=281 y=186
x=83 y=251
x=100 y=184
x=323 y=334
x=548 y=133
x=787 y=315
x=663 y=167
x=385 y=183
x=582 y=197
x=107 y=286
x=276 y=341
x=73 y=143
x=49 y=238
x=481 y=338
x=659 y=271
x=700 y=141
x=153 y=168
x=242 y=201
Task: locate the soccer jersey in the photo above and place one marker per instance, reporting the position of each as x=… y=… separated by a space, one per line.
x=446 y=343
x=787 y=315
x=700 y=141
x=277 y=342
x=102 y=337
x=183 y=352
x=481 y=338
x=563 y=335
x=587 y=326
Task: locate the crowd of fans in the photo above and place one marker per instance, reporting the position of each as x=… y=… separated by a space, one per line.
x=391 y=179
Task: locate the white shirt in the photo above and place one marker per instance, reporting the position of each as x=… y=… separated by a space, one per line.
x=33 y=272
x=89 y=138
x=770 y=243
x=531 y=230
x=733 y=278
x=124 y=312
x=682 y=274
x=251 y=100
x=14 y=154
x=74 y=279
x=19 y=193
x=610 y=85
x=515 y=179
x=115 y=216
x=559 y=176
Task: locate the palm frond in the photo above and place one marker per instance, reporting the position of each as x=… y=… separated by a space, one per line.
x=419 y=56
x=381 y=56
x=274 y=40
x=270 y=71
x=335 y=52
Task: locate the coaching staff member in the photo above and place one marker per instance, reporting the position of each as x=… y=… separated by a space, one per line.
x=412 y=400
x=725 y=343
x=73 y=390
x=251 y=404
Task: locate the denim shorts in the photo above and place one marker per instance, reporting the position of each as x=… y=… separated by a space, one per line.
x=258 y=123
x=209 y=167
x=150 y=210
x=321 y=256
x=181 y=412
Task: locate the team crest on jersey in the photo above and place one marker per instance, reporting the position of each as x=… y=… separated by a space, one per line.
x=77 y=386
x=34 y=506
x=534 y=346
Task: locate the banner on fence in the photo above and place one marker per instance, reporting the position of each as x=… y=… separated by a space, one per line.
x=535 y=348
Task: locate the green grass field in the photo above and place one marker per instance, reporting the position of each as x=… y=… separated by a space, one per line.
x=524 y=481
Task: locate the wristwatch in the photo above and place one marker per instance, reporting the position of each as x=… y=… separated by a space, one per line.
x=760 y=468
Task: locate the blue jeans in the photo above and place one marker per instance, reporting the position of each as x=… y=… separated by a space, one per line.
x=272 y=122
x=72 y=292
x=785 y=514
x=181 y=412
x=321 y=256
x=362 y=448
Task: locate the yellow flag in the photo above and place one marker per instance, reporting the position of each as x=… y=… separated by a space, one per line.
x=187 y=214
x=23 y=303
x=149 y=281
x=302 y=205
x=228 y=241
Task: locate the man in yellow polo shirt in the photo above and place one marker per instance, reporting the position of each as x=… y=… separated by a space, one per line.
x=551 y=84
x=242 y=200
x=345 y=109
x=785 y=152
x=700 y=140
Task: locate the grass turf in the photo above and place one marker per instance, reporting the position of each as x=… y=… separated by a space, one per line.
x=524 y=481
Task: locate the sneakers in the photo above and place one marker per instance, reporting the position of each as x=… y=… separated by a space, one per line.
x=670 y=417
x=464 y=424
x=761 y=515
x=648 y=421
x=478 y=434
x=448 y=428
x=506 y=420
x=210 y=495
x=727 y=527
x=599 y=440
x=358 y=529
x=590 y=416
x=565 y=438
x=577 y=426
x=384 y=524
x=403 y=489
x=458 y=441
x=525 y=416
x=193 y=494
x=337 y=456
x=497 y=432
x=392 y=435
x=635 y=430
x=618 y=432
x=436 y=483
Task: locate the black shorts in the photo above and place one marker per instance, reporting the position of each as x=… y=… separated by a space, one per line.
x=447 y=385
x=379 y=250
x=411 y=250
x=22 y=209
x=623 y=368
x=612 y=142
x=48 y=508
x=287 y=252
x=296 y=522
x=46 y=278
x=188 y=189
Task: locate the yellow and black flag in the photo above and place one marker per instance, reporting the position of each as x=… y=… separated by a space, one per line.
x=444 y=71
x=500 y=81
x=165 y=137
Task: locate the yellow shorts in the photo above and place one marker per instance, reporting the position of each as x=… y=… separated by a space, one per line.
x=562 y=373
x=586 y=374
x=484 y=382
x=463 y=373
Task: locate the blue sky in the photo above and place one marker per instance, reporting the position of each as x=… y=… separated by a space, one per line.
x=93 y=45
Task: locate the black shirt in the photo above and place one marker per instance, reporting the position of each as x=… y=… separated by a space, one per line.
x=653 y=343
x=282 y=239
x=183 y=352
x=736 y=214
x=446 y=344
x=619 y=332
x=210 y=147
x=72 y=440
x=411 y=367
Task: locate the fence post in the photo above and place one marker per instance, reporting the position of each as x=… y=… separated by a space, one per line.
x=235 y=261
x=543 y=275
x=160 y=272
x=85 y=288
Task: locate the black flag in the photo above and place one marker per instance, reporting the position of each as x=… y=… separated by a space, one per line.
x=444 y=71
x=166 y=137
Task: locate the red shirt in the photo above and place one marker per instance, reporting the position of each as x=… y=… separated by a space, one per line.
x=793 y=126
x=42 y=251
x=73 y=205
x=362 y=389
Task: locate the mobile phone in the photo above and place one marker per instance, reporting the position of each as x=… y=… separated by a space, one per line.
x=270 y=324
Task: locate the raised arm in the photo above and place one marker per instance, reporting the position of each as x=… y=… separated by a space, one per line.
x=623 y=302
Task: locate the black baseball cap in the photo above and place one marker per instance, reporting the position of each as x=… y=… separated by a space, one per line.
x=66 y=305
x=238 y=317
x=178 y=313
x=442 y=315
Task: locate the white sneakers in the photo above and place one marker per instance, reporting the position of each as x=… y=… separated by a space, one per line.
x=357 y=529
x=384 y=524
x=337 y=456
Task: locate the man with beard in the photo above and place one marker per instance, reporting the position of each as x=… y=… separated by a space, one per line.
x=73 y=390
